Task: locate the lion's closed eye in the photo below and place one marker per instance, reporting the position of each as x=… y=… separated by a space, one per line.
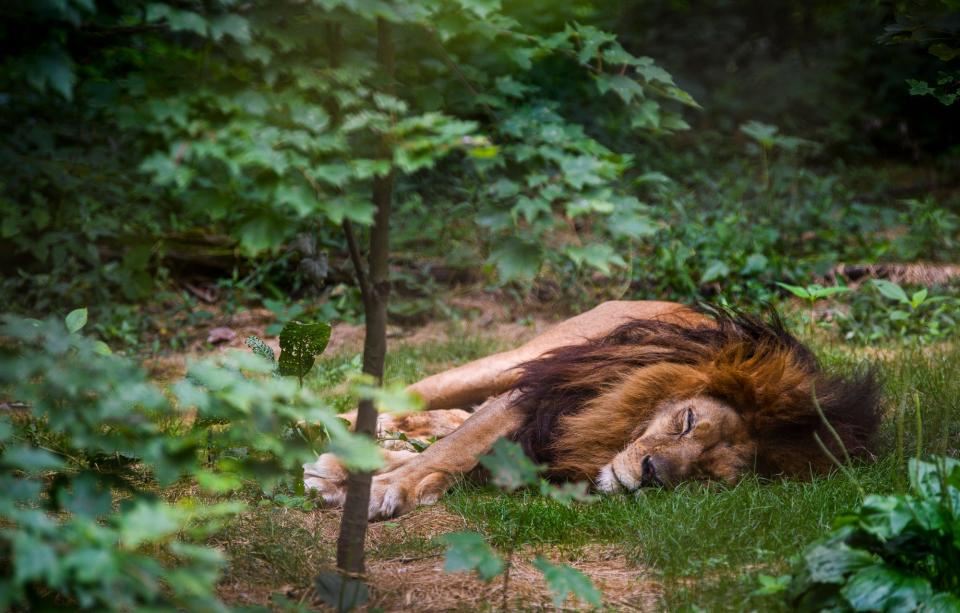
x=689 y=419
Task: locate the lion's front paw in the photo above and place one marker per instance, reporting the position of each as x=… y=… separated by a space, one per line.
x=399 y=492
x=327 y=477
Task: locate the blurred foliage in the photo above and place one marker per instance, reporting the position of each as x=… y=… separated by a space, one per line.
x=893 y=553
x=261 y=120
x=161 y=141
x=886 y=311
x=821 y=69
x=90 y=441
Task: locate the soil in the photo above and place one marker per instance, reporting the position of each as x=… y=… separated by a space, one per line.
x=400 y=582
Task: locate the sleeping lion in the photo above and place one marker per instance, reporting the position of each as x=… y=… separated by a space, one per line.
x=628 y=395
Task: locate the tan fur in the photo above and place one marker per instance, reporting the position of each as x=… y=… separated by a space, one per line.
x=475 y=382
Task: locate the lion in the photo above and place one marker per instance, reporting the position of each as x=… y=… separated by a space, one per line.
x=630 y=395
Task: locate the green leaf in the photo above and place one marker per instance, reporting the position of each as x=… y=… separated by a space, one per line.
x=357 y=210
x=920 y=88
x=147 y=522
x=301 y=198
x=260 y=348
x=763 y=133
x=51 y=68
x=391 y=397
x=918 y=297
x=796 y=290
x=627 y=88
x=230 y=25
x=891 y=290
x=898 y=315
x=86 y=498
x=582 y=206
x=581 y=170
x=31 y=459
x=300 y=344
x=770 y=586
x=878 y=588
x=91 y=565
x=596 y=255
x=76 y=320
x=756 y=263
x=101 y=348
x=187 y=21
x=654 y=74
x=715 y=270
x=530 y=208
x=818 y=292
x=564 y=581
x=509 y=467
x=885 y=517
x=568 y=492
x=470 y=552
x=34 y=560
x=631 y=225
x=831 y=564
x=944 y=51
x=356 y=452
x=516 y=259
x=926 y=478
x=942 y=603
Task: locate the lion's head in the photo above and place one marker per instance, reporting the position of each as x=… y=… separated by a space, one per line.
x=658 y=403
x=694 y=438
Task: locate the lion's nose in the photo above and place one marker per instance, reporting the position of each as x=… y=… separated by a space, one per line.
x=648 y=472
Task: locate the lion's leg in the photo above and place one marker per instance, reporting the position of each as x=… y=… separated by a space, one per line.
x=420 y=425
x=475 y=381
x=329 y=478
x=424 y=478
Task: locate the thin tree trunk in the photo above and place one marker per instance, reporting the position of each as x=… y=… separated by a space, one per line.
x=375 y=289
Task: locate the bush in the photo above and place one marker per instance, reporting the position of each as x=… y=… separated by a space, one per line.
x=87 y=444
x=894 y=553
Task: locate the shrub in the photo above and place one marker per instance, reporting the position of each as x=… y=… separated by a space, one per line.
x=894 y=553
x=86 y=444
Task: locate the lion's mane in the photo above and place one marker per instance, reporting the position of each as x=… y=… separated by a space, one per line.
x=753 y=364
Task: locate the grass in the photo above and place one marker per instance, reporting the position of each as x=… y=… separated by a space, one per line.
x=706 y=545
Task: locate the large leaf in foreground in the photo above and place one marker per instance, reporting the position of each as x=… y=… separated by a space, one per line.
x=509 y=467
x=564 y=581
x=300 y=344
x=468 y=551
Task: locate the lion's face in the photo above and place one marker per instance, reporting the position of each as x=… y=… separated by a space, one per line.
x=699 y=438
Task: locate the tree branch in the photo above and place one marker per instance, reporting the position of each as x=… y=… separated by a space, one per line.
x=354 y=249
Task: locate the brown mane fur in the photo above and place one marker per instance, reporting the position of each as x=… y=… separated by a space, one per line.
x=583 y=404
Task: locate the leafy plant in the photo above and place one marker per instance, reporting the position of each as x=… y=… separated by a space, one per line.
x=893 y=553
x=813 y=293
x=769 y=139
x=892 y=312
x=260 y=348
x=300 y=344
x=81 y=464
x=511 y=469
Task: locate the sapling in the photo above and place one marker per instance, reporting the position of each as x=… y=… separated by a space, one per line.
x=811 y=294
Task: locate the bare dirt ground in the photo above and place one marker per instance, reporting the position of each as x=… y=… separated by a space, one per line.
x=413 y=580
